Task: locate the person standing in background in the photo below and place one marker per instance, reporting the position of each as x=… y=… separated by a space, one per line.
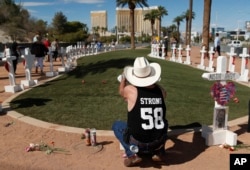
x=54 y=48
x=14 y=52
x=39 y=50
x=217 y=43
x=46 y=42
x=166 y=46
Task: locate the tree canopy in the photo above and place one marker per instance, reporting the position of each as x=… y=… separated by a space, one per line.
x=19 y=25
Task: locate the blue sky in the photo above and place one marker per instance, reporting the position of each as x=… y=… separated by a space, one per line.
x=230 y=14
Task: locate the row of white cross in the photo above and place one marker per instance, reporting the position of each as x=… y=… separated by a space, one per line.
x=72 y=53
x=231 y=64
x=177 y=53
x=156 y=49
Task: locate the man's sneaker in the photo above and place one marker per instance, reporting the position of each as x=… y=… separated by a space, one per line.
x=158 y=158
x=131 y=161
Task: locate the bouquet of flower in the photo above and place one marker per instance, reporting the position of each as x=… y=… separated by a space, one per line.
x=45 y=147
x=236 y=147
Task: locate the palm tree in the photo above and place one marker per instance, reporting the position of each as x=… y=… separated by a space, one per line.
x=132 y=5
x=162 y=11
x=172 y=28
x=178 y=21
x=105 y=30
x=171 y=31
x=190 y=21
x=186 y=16
x=206 y=23
x=152 y=16
x=95 y=30
x=98 y=29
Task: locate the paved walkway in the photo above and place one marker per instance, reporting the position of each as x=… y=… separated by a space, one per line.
x=186 y=148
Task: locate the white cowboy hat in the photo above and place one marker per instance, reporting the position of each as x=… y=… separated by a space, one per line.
x=143 y=73
x=165 y=37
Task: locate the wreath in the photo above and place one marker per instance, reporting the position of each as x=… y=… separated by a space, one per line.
x=222 y=93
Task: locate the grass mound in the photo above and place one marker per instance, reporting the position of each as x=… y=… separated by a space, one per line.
x=95 y=102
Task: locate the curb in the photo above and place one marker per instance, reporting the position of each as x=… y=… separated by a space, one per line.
x=57 y=127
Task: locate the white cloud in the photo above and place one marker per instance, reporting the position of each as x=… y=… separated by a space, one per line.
x=27 y=4
x=85 y=1
x=30 y=4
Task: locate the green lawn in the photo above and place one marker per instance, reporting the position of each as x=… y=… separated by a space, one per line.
x=96 y=103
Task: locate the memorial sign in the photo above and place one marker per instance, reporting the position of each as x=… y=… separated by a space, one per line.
x=222 y=92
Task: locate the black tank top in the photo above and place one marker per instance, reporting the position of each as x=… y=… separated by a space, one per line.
x=146 y=121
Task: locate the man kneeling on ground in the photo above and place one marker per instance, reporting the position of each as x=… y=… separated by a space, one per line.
x=146 y=128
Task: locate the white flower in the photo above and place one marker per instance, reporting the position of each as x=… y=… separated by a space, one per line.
x=32 y=145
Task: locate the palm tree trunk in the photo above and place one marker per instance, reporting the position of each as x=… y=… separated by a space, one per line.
x=190 y=21
x=152 y=29
x=132 y=29
x=187 y=31
x=206 y=23
x=178 y=33
x=159 y=29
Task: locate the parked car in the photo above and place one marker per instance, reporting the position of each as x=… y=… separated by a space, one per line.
x=235 y=43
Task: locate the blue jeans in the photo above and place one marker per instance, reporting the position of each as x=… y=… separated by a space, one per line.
x=119 y=128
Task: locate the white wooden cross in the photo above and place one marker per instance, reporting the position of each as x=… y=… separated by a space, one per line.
x=163 y=51
x=78 y=44
x=154 y=49
x=211 y=60
x=158 y=50
x=96 y=49
x=244 y=70
x=105 y=48
x=63 y=68
x=83 y=50
x=51 y=72
x=68 y=64
x=201 y=65
x=9 y=59
x=217 y=135
x=50 y=53
x=29 y=61
x=13 y=87
x=173 y=53
x=79 y=52
x=179 y=60
x=62 y=52
x=231 y=64
x=88 y=49
x=188 y=61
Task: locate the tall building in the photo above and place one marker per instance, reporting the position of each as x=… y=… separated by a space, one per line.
x=247 y=25
x=141 y=26
x=99 y=19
